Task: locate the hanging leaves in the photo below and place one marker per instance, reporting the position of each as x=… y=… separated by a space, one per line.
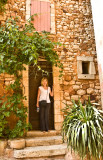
x=17 y=48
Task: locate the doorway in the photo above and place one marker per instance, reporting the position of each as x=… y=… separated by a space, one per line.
x=35 y=76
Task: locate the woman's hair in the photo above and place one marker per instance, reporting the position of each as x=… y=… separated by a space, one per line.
x=44 y=78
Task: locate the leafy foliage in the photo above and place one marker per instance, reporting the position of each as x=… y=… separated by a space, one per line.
x=83 y=127
x=18 y=47
x=2 y=5
x=12 y=106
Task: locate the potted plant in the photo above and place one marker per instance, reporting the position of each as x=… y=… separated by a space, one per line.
x=83 y=129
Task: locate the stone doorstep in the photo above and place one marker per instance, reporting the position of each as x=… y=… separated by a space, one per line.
x=16 y=143
x=43 y=141
x=62 y=158
x=41 y=151
x=6 y=158
x=41 y=134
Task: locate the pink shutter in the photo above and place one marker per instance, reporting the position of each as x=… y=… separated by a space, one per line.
x=42 y=20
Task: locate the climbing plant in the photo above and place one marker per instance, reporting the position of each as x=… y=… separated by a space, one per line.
x=18 y=47
x=2 y=5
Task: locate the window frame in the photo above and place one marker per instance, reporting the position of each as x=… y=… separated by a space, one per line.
x=92 y=71
x=52 y=14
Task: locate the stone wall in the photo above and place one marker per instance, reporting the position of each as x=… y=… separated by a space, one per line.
x=14 y=8
x=74 y=29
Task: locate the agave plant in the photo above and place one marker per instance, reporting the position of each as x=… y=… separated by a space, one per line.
x=83 y=128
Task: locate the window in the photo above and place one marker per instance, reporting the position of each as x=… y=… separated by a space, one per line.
x=85 y=67
x=42 y=19
x=45 y=15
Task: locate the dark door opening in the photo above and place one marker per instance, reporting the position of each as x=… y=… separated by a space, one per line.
x=35 y=77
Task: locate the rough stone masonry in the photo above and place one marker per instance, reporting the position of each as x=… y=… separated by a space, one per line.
x=74 y=29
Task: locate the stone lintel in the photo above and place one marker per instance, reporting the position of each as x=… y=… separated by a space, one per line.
x=86 y=76
x=84 y=58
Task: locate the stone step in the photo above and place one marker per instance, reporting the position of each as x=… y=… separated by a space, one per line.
x=43 y=141
x=6 y=158
x=41 y=151
x=41 y=134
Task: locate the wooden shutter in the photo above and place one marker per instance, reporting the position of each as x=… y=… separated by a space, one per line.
x=42 y=20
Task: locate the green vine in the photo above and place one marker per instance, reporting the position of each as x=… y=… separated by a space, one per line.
x=17 y=48
x=2 y=5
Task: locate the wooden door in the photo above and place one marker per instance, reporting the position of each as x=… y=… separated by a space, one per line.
x=35 y=77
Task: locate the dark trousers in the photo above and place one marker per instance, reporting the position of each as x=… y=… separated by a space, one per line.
x=44 y=117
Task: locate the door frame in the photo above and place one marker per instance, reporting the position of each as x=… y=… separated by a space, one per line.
x=58 y=96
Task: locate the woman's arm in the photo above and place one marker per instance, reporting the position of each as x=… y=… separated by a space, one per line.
x=38 y=98
x=51 y=92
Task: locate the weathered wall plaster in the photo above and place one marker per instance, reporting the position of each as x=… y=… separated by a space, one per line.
x=97 y=11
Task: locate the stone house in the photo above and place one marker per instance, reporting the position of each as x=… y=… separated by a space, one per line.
x=69 y=22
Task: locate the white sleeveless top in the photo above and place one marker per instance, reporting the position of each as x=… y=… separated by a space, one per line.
x=44 y=94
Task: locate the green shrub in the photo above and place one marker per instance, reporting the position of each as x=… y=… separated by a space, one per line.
x=83 y=127
x=2 y=5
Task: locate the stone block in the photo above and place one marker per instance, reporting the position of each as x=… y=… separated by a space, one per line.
x=67 y=98
x=41 y=152
x=71 y=90
x=72 y=155
x=66 y=94
x=75 y=97
x=63 y=104
x=66 y=83
x=85 y=97
x=79 y=67
x=69 y=103
x=17 y=143
x=58 y=118
x=26 y=90
x=57 y=96
x=86 y=76
x=71 y=82
x=58 y=126
x=81 y=92
x=97 y=87
x=76 y=87
x=26 y=81
x=56 y=72
x=58 y=111
x=90 y=90
x=92 y=68
x=61 y=95
x=78 y=83
x=67 y=77
x=56 y=81
x=84 y=58
x=3 y=145
x=27 y=16
x=25 y=74
x=85 y=86
x=92 y=85
x=9 y=152
x=44 y=141
x=26 y=103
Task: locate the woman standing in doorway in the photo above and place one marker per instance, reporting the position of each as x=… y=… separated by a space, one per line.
x=43 y=102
